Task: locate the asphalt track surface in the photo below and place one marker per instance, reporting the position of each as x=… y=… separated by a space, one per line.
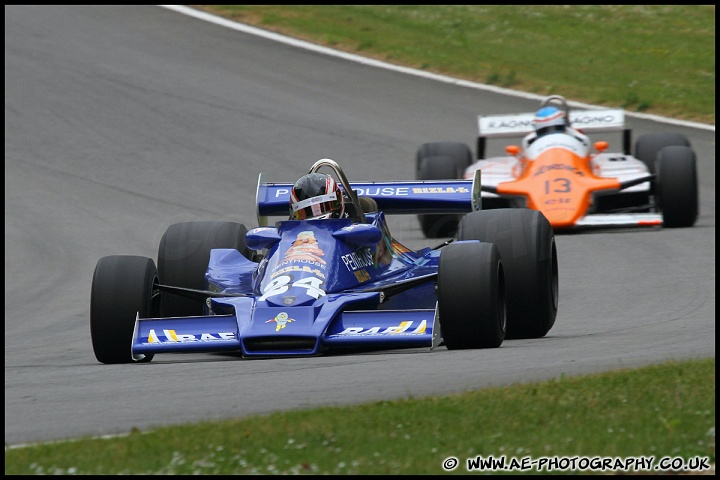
x=122 y=120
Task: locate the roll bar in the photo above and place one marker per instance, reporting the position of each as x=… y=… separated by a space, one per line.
x=562 y=104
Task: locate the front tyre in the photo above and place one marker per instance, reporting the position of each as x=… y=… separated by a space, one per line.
x=526 y=242
x=677 y=186
x=471 y=296
x=123 y=287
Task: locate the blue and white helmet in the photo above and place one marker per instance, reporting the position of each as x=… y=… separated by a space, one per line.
x=549 y=120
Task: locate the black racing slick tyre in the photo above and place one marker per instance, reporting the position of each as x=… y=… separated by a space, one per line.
x=676 y=191
x=471 y=296
x=123 y=287
x=648 y=146
x=526 y=242
x=441 y=161
x=183 y=258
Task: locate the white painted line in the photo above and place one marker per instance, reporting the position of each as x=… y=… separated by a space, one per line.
x=410 y=71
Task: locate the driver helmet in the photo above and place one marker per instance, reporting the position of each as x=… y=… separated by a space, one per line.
x=316 y=196
x=549 y=120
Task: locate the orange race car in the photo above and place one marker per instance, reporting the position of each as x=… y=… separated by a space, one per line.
x=556 y=169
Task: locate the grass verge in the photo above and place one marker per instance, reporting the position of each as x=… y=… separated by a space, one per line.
x=665 y=410
x=656 y=59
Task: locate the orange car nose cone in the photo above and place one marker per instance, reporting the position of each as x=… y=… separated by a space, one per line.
x=561 y=217
x=559 y=184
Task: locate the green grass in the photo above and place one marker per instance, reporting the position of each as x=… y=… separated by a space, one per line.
x=656 y=59
x=664 y=410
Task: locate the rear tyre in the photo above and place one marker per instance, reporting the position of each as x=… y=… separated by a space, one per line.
x=441 y=161
x=123 y=287
x=526 y=243
x=677 y=186
x=471 y=296
x=183 y=258
x=648 y=146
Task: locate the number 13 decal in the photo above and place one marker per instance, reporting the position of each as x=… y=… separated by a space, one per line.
x=281 y=284
x=561 y=185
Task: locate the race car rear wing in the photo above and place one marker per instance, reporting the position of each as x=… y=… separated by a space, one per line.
x=393 y=197
x=521 y=124
x=518 y=125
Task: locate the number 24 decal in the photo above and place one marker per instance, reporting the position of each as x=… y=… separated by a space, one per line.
x=562 y=186
x=281 y=284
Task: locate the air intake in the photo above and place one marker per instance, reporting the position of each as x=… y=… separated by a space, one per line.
x=275 y=344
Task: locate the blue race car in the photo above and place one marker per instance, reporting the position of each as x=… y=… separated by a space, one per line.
x=305 y=287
